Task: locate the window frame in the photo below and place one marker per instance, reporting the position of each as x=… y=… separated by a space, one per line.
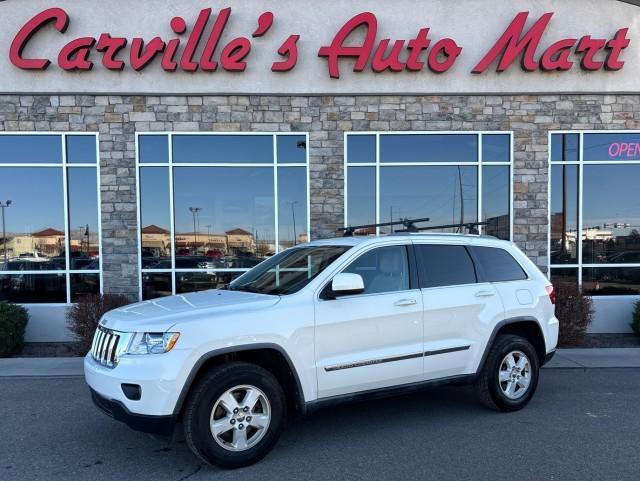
x=580 y=264
x=170 y=165
x=378 y=164
x=64 y=165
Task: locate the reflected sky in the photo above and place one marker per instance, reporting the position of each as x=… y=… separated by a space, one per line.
x=153 y=148
x=496 y=148
x=230 y=197
x=571 y=142
x=31 y=149
x=362 y=195
x=361 y=149
x=292 y=149
x=611 y=195
x=37 y=198
x=81 y=149
x=292 y=191
x=429 y=148
x=154 y=197
x=247 y=149
x=606 y=147
x=434 y=192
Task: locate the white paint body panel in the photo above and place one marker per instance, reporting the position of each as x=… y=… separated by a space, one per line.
x=316 y=333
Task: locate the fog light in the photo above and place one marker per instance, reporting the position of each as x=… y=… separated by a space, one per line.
x=132 y=391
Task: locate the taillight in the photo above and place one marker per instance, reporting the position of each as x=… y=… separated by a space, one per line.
x=552 y=294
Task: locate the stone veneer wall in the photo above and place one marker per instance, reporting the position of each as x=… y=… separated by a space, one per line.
x=117 y=118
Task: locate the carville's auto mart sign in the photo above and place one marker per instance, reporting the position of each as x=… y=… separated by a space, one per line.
x=304 y=46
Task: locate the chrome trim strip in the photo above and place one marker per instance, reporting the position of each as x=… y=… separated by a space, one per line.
x=371 y=362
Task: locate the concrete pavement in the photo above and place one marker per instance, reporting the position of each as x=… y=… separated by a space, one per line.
x=564 y=359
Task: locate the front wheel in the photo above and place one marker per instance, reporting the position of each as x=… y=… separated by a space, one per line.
x=510 y=374
x=235 y=415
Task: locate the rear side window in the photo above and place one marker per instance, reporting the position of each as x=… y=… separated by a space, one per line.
x=497 y=265
x=444 y=265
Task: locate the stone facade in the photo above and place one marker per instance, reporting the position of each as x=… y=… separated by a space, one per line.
x=118 y=118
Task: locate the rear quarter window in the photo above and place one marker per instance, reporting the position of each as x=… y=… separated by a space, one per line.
x=497 y=265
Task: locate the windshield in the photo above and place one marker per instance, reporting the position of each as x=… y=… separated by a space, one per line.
x=289 y=271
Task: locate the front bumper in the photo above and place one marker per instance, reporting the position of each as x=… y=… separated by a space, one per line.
x=158 y=425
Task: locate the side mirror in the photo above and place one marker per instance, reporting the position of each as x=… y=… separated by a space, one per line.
x=345 y=284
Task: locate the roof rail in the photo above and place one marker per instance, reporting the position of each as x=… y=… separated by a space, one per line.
x=411 y=227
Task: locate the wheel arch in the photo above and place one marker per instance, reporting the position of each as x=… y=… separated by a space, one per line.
x=271 y=357
x=526 y=327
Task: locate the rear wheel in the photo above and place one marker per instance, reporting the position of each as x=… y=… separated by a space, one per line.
x=510 y=374
x=235 y=415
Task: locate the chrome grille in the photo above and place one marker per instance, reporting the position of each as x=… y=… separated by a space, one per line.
x=105 y=346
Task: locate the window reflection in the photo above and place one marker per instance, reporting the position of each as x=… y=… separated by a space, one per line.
x=292 y=211
x=611 y=214
x=496 y=198
x=603 y=281
x=564 y=147
x=361 y=202
x=496 y=148
x=30 y=149
x=429 y=148
x=607 y=146
x=292 y=149
x=155 y=218
x=81 y=149
x=202 y=281
x=225 y=214
x=564 y=275
x=361 y=149
x=236 y=149
x=446 y=195
x=83 y=219
x=564 y=214
x=35 y=238
x=156 y=284
x=84 y=284
x=33 y=288
x=153 y=148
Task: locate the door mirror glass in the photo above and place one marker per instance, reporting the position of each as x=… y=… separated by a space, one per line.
x=345 y=284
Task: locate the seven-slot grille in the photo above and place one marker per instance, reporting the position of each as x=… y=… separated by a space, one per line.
x=105 y=347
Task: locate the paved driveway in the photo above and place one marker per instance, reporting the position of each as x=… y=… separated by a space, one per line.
x=582 y=425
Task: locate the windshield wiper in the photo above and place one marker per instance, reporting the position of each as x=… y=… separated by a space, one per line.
x=244 y=288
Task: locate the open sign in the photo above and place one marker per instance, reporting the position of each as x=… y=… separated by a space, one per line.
x=624 y=150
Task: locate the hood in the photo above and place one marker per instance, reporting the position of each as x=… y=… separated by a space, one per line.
x=159 y=315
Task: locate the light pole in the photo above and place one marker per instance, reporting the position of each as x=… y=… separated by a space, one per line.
x=293 y=216
x=4 y=232
x=195 y=211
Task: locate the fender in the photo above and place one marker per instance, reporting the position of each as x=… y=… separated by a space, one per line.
x=494 y=333
x=300 y=402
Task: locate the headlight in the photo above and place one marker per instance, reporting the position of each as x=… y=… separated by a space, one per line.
x=152 y=342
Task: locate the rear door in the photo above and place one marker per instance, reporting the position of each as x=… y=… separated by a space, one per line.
x=517 y=291
x=459 y=310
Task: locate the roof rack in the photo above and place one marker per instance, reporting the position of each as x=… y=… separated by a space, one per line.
x=410 y=226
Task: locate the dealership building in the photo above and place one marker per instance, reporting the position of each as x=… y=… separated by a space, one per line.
x=153 y=148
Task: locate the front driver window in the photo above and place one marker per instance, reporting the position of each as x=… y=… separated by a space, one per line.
x=384 y=269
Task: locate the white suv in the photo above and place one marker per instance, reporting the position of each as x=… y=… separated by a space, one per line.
x=321 y=323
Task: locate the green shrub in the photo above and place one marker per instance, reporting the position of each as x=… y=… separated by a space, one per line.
x=13 y=321
x=84 y=316
x=635 y=323
x=574 y=311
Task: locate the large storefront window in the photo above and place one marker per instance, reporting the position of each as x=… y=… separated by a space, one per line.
x=49 y=193
x=450 y=178
x=214 y=205
x=594 y=182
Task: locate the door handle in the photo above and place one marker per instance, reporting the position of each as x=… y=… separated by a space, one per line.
x=485 y=293
x=405 y=302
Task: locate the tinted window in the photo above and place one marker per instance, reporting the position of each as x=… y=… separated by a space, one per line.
x=235 y=149
x=383 y=270
x=30 y=149
x=292 y=149
x=81 y=149
x=361 y=148
x=496 y=148
x=602 y=147
x=564 y=214
x=153 y=148
x=442 y=265
x=498 y=265
x=564 y=147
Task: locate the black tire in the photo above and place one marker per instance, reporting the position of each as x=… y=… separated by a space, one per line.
x=207 y=392
x=487 y=386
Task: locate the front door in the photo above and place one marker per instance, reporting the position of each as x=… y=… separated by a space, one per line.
x=374 y=339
